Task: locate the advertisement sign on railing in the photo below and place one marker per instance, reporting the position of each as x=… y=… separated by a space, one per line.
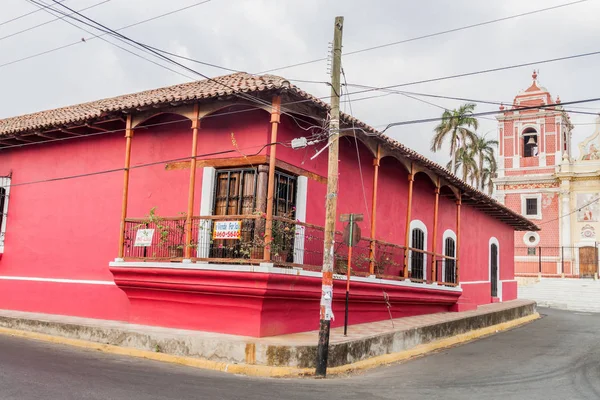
x=227 y=230
x=143 y=238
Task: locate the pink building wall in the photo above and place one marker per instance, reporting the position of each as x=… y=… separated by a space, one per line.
x=68 y=229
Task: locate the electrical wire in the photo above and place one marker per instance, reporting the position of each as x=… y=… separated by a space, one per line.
x=485 y=71
x=85 y=40
x=122 y=129
x=49 y=22
x=437 y=96
x=419 y=121
x=259 y=108
x=108 y=171
x=362 y=179
x=429 y=35
x=50 y=10
x=570 y=213
x=94 y=24
x=22 y=16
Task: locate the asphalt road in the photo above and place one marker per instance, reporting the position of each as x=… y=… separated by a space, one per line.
x=557 y=357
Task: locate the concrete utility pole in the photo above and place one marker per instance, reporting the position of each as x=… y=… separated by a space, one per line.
x=331 y=202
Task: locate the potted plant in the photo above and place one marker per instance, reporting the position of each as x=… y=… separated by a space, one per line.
x=178 y=234
x=169 y=236
x=282 y=238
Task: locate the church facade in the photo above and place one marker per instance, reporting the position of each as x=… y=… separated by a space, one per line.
x=542 y=177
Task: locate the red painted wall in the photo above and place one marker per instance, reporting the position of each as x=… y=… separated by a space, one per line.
x=68 y=229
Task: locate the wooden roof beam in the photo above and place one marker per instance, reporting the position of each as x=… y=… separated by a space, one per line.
x=97 y=128
x=68 y=132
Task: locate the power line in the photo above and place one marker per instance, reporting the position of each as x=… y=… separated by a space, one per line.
x=22 y=16
x=430 y=35
x=51 y=10
x=437 y=96
x=108 y=171
x=570 y=213
x=487 y=113
x=362 y=179
x=93 y=37
x=485 y=71
x=94 y=24
x=145 y=126
x=48 y=22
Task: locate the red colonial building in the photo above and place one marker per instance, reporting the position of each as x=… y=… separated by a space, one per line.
x=189 y=206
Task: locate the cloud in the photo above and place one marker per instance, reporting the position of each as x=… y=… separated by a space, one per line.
x=261 y=34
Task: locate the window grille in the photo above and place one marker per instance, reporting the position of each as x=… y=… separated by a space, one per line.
x=531 y=206
x=4 y=194
x=417 y=262
x=450 y=270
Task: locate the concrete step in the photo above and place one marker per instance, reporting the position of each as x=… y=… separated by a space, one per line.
x=568 y=294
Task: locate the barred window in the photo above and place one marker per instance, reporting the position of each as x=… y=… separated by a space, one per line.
x=450 y=251
x=4 y=192
x=531 y=206
x=417 y=262
x=285 y=195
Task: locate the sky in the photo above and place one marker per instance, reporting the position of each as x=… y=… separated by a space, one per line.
x=259 y=35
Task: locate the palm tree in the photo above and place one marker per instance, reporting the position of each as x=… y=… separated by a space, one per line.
x=460 y=126
x=466 y=161
x=488 y=173
x=484 y=151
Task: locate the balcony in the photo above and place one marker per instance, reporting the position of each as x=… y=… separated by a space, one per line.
x=295 y=245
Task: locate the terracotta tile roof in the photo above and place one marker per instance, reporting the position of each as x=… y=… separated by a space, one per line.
x=220 y=86
x=236 y=84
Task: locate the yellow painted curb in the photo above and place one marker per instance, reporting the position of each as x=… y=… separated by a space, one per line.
x=432 y=346
x=269 y=371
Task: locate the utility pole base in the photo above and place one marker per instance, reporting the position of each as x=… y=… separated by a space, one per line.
x=323 y=349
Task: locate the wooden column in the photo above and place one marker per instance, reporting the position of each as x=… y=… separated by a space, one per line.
x=192 y=187
x=435 y=229
x=411 y=180
x=128 y=137
x=261 y=188
x=376 y=163
x=458 y=204
x=275 y=119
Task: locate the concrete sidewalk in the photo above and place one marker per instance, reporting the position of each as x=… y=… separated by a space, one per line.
x=366 y=345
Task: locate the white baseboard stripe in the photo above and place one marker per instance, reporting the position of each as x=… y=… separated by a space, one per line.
x=55 y=280
x=474 y=282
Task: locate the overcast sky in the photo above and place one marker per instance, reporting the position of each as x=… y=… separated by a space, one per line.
x=257 y=35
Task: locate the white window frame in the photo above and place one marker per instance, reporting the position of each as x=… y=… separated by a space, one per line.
x=301 y=202
x=206 y=209
x=415 y=223
x=537 y=197
x=4 y=183
x=448 y=233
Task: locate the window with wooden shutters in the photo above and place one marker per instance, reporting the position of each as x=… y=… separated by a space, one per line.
x=235 y=192
x=417 y=262
x=450 y=265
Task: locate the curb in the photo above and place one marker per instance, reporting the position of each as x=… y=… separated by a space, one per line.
x=271 y=371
